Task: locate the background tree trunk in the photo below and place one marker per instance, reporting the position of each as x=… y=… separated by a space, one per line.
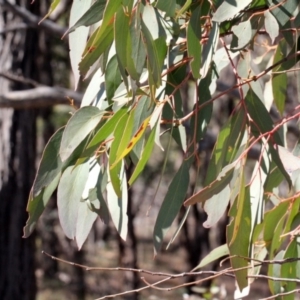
x=18 y=51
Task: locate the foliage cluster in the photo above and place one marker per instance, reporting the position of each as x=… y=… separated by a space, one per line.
x=139 y=55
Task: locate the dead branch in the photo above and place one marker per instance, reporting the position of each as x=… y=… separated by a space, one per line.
x=42 y=96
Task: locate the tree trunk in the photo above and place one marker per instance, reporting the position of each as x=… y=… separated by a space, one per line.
x=17 y=165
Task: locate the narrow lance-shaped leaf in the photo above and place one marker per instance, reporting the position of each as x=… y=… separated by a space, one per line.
x=85 y=221
x=122 y=135
x=132 y=142
x=193 y=41
x=241 y=229
x=53 y=5
x=37 y=204
x=50 y=165
x=171 y=204
x=156 y=52
x=77 y=39
x=104 y=132
x=279 y=81
x=79 y=126
x=145 y=156
x=69 y=193
x=112 y=77
x=97 y=44
x=117 y=205
x=210 y=48
x=214 y=188
x=95 y=13
x=213 y=256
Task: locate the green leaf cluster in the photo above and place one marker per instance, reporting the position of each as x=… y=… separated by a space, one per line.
x=140 y=57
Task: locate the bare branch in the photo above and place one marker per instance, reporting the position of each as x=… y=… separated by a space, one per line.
x=17 y=78
x=34 y=20
x=282 y=294
x=42 y=96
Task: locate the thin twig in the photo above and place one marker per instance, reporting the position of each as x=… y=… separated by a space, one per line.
x=282 y=294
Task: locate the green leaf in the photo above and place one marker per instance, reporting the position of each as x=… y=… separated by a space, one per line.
x=260 y=115
x=69 y=191
x=95 y=13
x=37 y=204
x=97 y=44
x=156 y=52
x=53 y=5
x=238 y=234
x=117 y=205
x=213 y=256
x=201 y=118
x=274 y=270
x=144 y=157
x=283 y=12
x=279 y=81
x=171 y=205
x=85 y=221
x=137 y=136
x=289 y=269
x=95 y=93
x=50 y=165
x=244 y=32
x=228 y=9
x=193 y=41
x=209 y=49
x=77 y=39
x=271 y=25
x=112 y=77
x=271 y=219
x=214 y=188
x=169 y=7
x=122 y=135
x=78 y=128
x=104 y=132
x=230 y=138
x=138 y=52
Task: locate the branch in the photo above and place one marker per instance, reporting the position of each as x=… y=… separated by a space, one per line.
x=42 y=96
x=34 y=20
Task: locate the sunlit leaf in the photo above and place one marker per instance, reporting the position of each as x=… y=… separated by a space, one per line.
x=271 y=25
x=53 y=5
x=79 y=126
x=117 y=205
x=209 y=49
x=85 y=221
x=95 y=13
x=284 y=11
x=69 y=193
x=78 y=38
x=228 y=9
x=137 y=136
x=213 y=256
